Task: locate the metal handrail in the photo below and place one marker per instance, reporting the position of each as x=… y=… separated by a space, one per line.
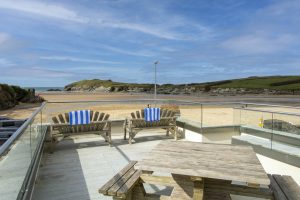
x=179 y=101
x=270 y=105
x=5 y=147
x=272 y=112
x=137 y=100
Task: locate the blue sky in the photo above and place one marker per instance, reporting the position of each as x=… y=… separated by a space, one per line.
x=53 y=43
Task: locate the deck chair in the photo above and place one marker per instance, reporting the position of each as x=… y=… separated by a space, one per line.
x=99 y=124
x=137 y=123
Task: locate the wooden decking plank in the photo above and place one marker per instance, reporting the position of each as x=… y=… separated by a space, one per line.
x=119 y=175
x=55 y=120
x=91 y=115
x=163 y=113
x=217 y=173
x=101 y=117
x=129 y=183
x=118 y=184
x=61 y=118
x=288 y=186
x=278 y=194
x=138 y=114
x=67 y=117
x=142 y=113
x=206 y=160
x=133 y=115
x=243 y=190
x=96 y=115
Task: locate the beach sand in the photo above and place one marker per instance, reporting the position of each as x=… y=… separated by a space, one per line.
x=212 y=115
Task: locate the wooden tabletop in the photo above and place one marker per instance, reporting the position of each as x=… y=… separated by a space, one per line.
x=217 y=161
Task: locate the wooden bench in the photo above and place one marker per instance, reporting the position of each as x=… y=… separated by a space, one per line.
x=137 y=123
x=122 y=184
x=284 y=187
x=99 y=124
x=128 y=185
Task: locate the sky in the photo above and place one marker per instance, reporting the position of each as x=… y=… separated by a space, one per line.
x=54 y=43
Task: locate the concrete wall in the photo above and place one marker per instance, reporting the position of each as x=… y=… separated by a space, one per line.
x=192 y=131
x=284 y=137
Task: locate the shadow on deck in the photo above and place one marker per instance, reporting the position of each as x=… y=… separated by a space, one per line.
x=81 y=164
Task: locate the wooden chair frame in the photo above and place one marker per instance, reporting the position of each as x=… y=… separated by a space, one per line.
x=137 y=123
x=99 y=124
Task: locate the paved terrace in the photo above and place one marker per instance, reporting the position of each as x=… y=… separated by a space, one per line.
x=80 y=165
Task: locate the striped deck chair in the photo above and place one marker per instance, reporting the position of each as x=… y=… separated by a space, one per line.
x=99 y=124
x=137 y=123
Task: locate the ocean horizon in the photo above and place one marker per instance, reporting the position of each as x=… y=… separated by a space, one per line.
x=44 y=89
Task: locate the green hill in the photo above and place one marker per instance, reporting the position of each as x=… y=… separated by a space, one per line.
x=280 y=83
x=113 y=86
x=270 y=82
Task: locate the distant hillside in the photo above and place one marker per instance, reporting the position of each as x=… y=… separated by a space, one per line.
x=105 y=85
x=271 y=84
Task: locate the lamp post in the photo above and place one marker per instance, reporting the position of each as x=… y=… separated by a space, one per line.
x=155 y=63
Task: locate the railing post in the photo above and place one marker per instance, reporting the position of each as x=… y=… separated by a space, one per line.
x=272 y=131
x=30 y=140
x=201 y=118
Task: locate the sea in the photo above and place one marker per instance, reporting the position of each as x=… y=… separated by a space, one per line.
x=44 y=89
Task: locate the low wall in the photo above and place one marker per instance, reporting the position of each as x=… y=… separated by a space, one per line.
x=284 y=137
x=192 y=131
x=284 y=157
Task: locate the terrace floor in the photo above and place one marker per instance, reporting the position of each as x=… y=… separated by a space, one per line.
x=81 y=165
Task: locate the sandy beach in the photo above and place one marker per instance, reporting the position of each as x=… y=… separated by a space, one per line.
x=212 y=114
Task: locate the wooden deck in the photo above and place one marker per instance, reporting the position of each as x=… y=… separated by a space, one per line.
x=79 y=166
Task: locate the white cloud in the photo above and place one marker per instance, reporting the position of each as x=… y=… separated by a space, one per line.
x=43 y=9
x=257 y=43
x=128 y=52
x=3 y=38
x=4 y=62
x=7 y=42
x=165 y=29
x=147 y=29
x=74 y=59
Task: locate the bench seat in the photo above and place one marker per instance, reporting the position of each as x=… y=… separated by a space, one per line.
x=121 y=185
x=137 y=123
x=284 y=187
x=99 y=124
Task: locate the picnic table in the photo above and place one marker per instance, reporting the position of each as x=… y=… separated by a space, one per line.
x=205 y=171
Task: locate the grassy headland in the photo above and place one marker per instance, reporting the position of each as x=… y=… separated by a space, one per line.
x=272 y=83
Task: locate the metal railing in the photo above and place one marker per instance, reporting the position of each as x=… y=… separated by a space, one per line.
x=4 y=148
x=35 y=149
x=20 y=156
x=268 y=124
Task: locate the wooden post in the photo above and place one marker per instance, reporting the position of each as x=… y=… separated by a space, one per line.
x=125 y=128
x=109 y=136
x=198 y=190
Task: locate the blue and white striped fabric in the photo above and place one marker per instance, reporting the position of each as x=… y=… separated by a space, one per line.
x=79 y=117
x=152 y=114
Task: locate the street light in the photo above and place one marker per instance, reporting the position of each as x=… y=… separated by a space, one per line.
x=155 y=63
